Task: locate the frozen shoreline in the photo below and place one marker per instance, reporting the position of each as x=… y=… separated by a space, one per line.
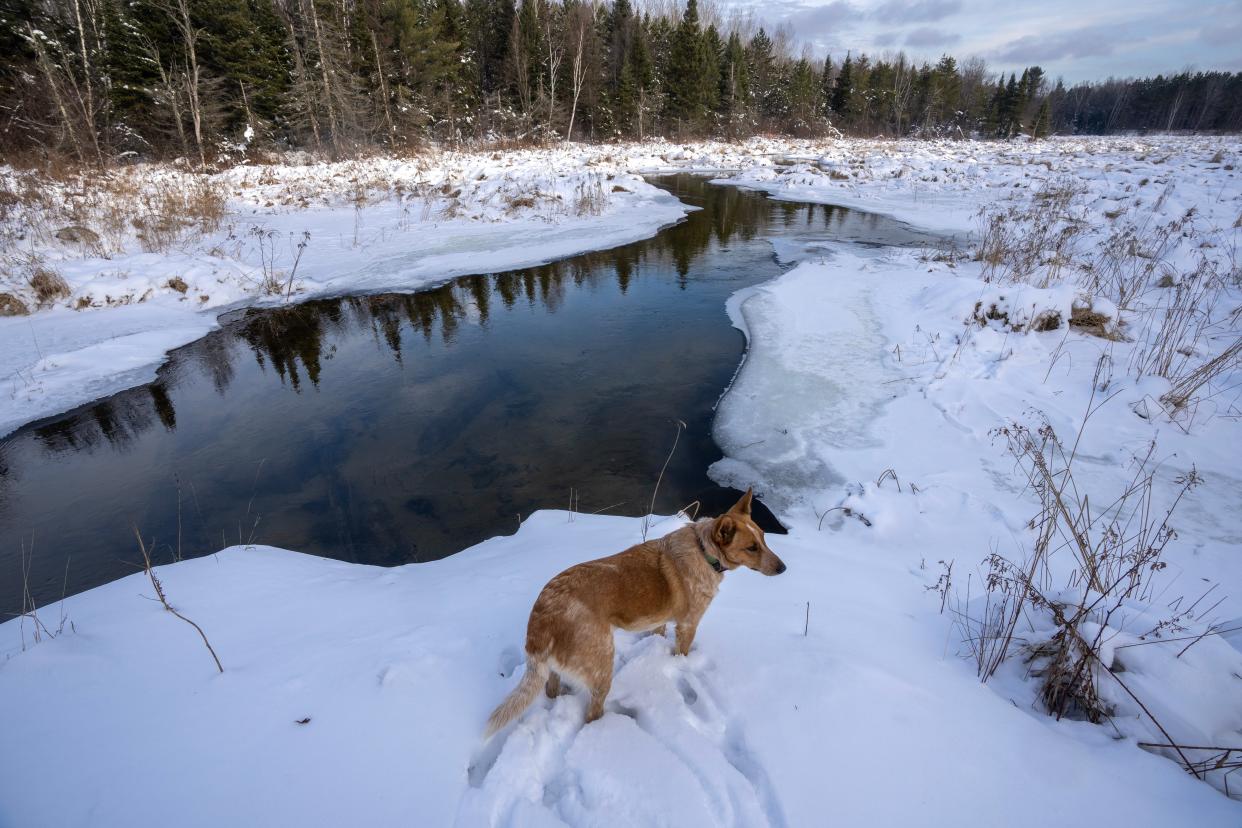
x=54 y=360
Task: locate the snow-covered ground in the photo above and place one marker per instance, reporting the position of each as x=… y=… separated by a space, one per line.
x=840 y=692
x=862 y=720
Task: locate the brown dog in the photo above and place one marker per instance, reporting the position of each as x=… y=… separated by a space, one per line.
x=673 y=578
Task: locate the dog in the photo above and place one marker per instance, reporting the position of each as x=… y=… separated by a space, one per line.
x=673 y=578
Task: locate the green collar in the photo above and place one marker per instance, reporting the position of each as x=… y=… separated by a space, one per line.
x=711 y=559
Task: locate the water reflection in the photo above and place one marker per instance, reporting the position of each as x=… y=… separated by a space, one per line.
x=400 y=427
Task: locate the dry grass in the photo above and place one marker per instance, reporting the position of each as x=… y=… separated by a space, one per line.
x=1187 y=386
x=1033 y=242
x=158 y=586
x=589 y=197
x=1085 y=319
x=1173 y=326
x=1116 y=549
x=98 y=212
x=47 y=284
x=10 y=305
x=1134 y=257
x=29 y=614
x=520 y=203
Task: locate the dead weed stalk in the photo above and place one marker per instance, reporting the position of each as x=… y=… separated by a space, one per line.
x=158 y=586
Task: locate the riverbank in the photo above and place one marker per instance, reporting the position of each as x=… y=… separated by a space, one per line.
x=103 y=274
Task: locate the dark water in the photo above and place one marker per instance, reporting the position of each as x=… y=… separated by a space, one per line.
x=405 y=427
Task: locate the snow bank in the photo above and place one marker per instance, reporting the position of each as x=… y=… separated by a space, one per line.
x=853 y=717
x=867 y=407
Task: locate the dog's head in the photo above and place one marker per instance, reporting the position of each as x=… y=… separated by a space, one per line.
x=740 y=540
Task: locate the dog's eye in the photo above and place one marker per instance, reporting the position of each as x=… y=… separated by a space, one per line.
x=754 y=547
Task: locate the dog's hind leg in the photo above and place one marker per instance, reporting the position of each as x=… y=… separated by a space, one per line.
x=553 y=687
x=598 y=676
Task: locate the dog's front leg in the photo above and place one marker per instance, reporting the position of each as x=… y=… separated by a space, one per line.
x=685 y=635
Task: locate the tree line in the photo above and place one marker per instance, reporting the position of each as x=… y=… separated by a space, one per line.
x=97 y=80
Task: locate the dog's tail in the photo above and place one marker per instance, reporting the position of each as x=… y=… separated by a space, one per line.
x=532 y=682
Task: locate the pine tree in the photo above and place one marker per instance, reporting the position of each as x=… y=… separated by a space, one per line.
x=425 y=62
x=683 y=78
x=620 y=26
x=804 y=101
x=711 y=49
x=843 y=92
x=243 y=47
x=946 y=84
x=526 y=55
x=734 y=83
x=762 y=69
x=133 y=79
x=825 y=86
x=642 y=65
x=1011 y=103
x=996 y=110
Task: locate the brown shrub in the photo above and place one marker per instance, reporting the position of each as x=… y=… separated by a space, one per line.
x=1092 y=322
x=48 y=285
x=1047 y=320
x=77 y=234
x=10 y=305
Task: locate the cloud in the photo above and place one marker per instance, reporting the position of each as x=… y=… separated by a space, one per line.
x=813 y=20
x=1222 y=35
x=1080 y=43
x=916 y=11
x=926 y=36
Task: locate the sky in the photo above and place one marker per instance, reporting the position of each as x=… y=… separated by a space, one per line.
x=1073 y=39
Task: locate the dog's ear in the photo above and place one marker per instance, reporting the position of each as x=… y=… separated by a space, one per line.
x=742 y=507
x=722 y=535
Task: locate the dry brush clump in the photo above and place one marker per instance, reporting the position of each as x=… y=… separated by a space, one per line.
x=29 y=283
x=1035 y=241
x=590 y=199
x=1187 y=386
x=100 y=212
x=10 y=305
x=1062 y=623
x=1135 y=256
x=1154 y=281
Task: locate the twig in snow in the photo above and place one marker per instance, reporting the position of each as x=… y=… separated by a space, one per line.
x=159 y=593
x=651 y=508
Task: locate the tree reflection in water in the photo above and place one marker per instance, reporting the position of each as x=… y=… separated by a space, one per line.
x=499 y=393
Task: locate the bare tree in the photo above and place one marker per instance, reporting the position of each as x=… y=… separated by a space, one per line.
x=556 y=56
x=383 y=84
x=580 y=26
x=179 y=12
x=325 y=70
x=169 y=90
